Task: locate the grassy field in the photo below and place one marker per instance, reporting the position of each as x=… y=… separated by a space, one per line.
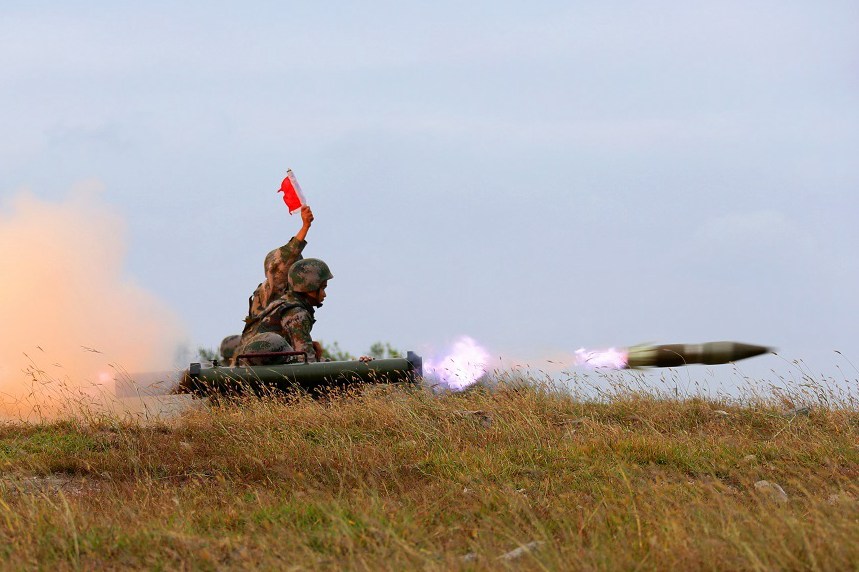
x=397 y=478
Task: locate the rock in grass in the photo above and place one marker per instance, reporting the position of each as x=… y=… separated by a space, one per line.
x=750 y=459
x=841 y=499
x=772 y=490
x=483 y=417
x=521 y=551
x=799 y=411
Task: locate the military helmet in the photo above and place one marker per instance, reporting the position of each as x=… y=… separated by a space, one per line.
x=308 y=275
x=229 y=345
x=265 y=342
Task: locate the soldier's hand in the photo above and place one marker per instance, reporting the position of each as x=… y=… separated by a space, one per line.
x=306 y=215
x=365 y=359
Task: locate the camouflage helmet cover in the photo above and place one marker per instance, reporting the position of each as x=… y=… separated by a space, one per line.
x=229 y=345
x=262 y=343
x=308 y=275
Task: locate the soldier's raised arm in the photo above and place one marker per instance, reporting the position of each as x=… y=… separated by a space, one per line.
x=280 y=259
x=306 y=221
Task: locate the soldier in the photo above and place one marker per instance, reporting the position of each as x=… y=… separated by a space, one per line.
x=276 y=266
x=285 y=324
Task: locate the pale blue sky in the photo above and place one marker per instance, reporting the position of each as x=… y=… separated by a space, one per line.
x=538 y=175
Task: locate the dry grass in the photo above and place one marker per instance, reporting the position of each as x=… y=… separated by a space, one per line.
x=401 y=479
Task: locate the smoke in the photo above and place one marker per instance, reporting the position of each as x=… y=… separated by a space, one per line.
x=461 y=366
x=70 y=317
x=610 y=358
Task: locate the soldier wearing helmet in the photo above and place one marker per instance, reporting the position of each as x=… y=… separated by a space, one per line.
x=276 y=266
x=286 y=322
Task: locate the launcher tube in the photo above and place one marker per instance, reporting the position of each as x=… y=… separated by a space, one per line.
x=310 y=377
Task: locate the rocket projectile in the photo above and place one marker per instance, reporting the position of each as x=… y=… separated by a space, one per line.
x=675 y=355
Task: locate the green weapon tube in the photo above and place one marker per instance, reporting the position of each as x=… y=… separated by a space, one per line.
x=310 y=377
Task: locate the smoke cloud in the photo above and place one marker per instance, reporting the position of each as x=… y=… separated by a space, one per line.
x=460 y=367
x=70 y=316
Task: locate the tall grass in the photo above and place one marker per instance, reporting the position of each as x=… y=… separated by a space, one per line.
x=629 y=477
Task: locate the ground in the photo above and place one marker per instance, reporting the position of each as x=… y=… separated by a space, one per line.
x=397 y=478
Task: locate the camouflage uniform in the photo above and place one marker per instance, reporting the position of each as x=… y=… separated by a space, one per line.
x=284 y=325
x=281 y=258
x=278 y=259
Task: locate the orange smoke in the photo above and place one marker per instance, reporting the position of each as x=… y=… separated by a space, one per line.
x=70 y=317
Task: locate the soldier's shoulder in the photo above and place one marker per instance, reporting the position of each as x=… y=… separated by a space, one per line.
x=288 y=304
x=297 y=310
x=292 y=298
x=297 y=313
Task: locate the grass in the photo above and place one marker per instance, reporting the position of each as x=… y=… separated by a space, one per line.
x=395 y=478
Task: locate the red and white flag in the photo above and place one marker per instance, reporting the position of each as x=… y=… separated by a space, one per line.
x=292 y=195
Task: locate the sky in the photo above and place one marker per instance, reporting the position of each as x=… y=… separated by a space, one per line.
x=538 y=175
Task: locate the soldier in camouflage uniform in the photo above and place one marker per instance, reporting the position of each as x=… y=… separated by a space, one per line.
x=228 y=348
x=276 y=266
x=285 y=324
